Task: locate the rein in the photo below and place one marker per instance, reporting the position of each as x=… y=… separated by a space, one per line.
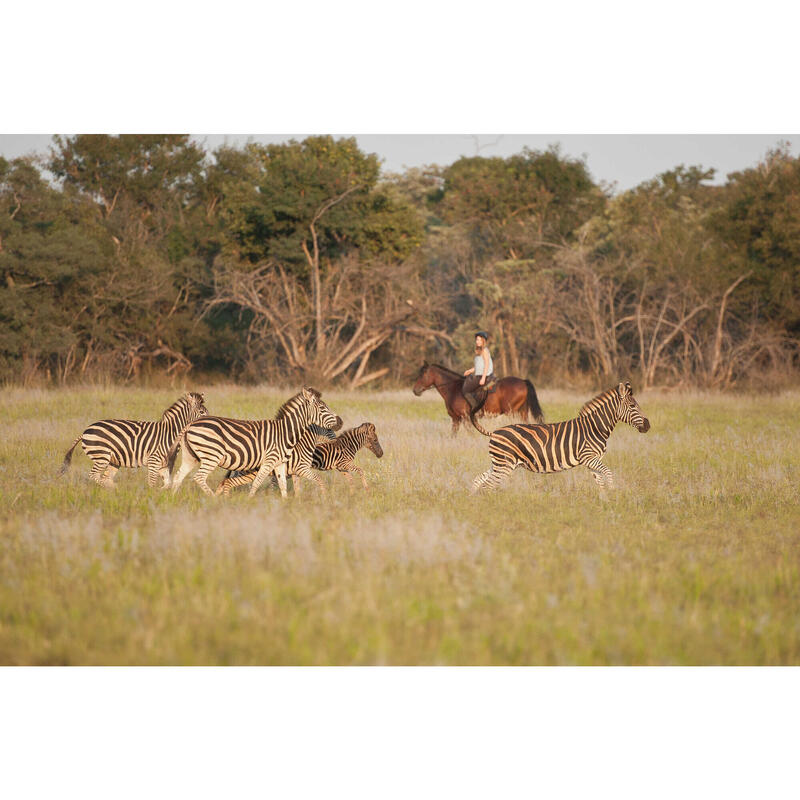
x=435 y=385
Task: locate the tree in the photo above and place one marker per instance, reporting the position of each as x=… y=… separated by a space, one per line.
x=760 y=219
x=49 y=250
x=307 y=242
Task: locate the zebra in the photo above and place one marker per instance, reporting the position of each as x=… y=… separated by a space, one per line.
x=563 y=445
x=299 y=462
x=115 y=443
x=338 y=454
x=241 y=444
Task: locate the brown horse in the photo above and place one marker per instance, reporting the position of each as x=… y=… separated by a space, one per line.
x=511 y=396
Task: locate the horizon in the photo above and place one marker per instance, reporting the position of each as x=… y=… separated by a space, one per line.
x=619 y=161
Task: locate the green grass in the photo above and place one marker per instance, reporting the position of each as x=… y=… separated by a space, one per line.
x=694 y=557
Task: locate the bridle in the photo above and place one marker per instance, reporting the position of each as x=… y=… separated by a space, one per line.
x=435 y=385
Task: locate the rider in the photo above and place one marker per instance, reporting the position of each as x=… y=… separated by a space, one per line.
x=479 y=375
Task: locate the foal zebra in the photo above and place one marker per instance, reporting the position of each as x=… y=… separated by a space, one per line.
x=299 y=462
x=241 y=444
x=338 y=454
x=562 y=445
x=115 y=443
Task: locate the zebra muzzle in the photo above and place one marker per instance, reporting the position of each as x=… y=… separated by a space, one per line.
x=645 y=425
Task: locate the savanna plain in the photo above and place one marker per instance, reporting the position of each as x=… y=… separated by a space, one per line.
x=693 y=557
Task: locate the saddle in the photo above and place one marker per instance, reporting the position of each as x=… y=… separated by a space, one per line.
x=491 y=385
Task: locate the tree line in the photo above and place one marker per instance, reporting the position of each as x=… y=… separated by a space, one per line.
x=131 y=256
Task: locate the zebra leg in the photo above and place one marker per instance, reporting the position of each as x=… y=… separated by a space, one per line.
x=155 y=466
x=224 y=488
x=280 y=475
x=108 y=476
x=602 y=474
x=360 y=472
x=493 y=476
x=263 y=473
x=306 y=472
x=349 y=477
x=201 y=476
x=188 y=463
x=98 y=472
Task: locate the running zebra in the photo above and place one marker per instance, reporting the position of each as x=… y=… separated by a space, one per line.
x=563 y=445
x=241 y=444
x=299 y=462
x=338 y=454
x=341 y=453
x=115 y=443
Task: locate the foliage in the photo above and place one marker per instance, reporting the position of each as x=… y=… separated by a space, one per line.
x=147 y=255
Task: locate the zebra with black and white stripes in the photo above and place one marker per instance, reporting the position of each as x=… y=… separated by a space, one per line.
x=242 y=444
x=339 y=453
x=562 y=445
x=115 y=443
x=299 y=462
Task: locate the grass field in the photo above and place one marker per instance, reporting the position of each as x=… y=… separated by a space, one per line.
x=694 y=557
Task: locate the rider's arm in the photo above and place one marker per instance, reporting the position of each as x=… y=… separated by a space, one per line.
x=485 y=365
x=469 y=371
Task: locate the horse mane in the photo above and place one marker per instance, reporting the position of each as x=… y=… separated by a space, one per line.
x=447 y=370
x=292 y=402
x=592 y=405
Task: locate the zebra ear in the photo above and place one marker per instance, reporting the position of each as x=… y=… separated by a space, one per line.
x=624 y=389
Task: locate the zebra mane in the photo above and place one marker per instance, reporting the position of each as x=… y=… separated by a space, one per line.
x=180 y=402
x=350 y=433
x=596 y=402
x=294 y=401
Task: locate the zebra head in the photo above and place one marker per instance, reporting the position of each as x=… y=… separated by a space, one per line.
x=318 y=412
x=186 y=409
x=197 y=405
x=629 y=410
x=371 y=438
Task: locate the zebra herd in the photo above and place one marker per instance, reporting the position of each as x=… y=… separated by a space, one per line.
x=249 y=449
x=301 y=439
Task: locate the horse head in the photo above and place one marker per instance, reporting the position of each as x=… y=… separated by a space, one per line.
x=425 y=379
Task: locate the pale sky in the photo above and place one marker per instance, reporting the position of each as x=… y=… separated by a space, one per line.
x=625 y=160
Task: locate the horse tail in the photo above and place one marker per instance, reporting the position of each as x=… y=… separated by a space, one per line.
x=68 y=456
x=533 y=403
x=478 y=427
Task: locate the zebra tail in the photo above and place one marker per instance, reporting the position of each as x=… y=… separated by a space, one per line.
x=172 y=455
x=68 y=456
x=533 y=403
